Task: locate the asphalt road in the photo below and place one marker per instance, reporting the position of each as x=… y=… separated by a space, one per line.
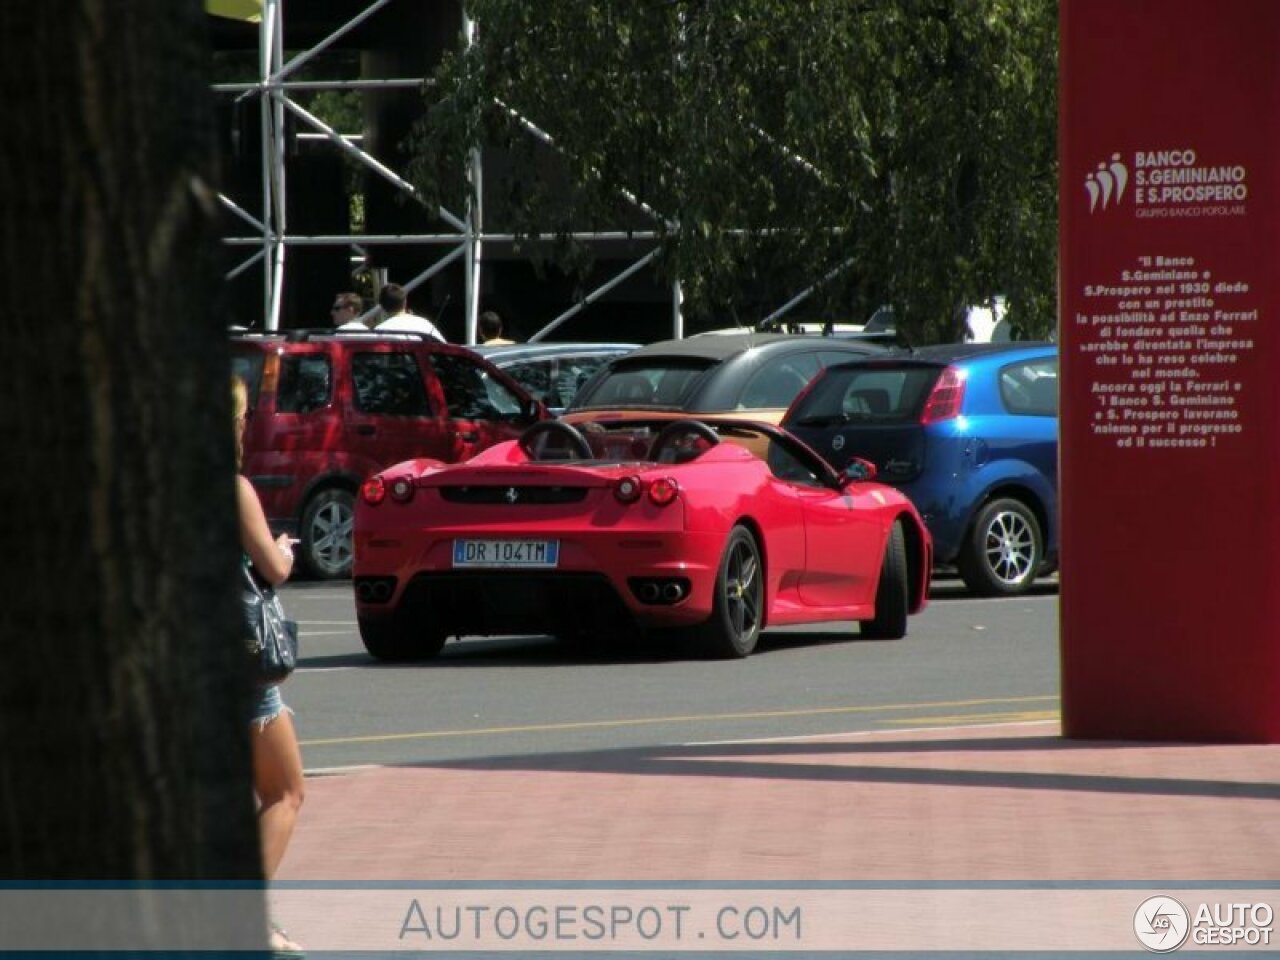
x=964 y=660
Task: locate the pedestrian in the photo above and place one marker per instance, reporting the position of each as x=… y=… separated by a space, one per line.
x=277 y=759
x=346 y=310
x=395 y=304
x=490 y=328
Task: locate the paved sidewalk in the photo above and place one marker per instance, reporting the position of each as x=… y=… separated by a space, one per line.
x=1007 y=802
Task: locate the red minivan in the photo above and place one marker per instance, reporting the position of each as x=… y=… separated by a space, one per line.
x=329 y=408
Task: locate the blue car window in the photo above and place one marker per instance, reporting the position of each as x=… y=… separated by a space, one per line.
x=1030 y=387
x=887 y=395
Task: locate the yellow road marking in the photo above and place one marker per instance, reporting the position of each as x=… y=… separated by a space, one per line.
x=1023 y=716
x=685 y=718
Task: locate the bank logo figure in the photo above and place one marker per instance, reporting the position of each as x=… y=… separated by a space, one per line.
x=1161 y=924
x=1106 y=184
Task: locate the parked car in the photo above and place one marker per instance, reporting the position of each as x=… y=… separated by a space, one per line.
x=553 y=372
x=652 y=523
x=746 y=375
x=970 y=433
x=327 y=409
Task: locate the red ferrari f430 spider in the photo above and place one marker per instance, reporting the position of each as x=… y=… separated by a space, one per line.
x=717 y=528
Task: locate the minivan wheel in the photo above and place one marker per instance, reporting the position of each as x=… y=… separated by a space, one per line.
x=326 y=548
x=1003 y=551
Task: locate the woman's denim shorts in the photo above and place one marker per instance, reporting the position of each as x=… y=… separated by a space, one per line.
x=269 y=705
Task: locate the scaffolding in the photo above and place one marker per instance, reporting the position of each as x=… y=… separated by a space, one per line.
x=266 y=239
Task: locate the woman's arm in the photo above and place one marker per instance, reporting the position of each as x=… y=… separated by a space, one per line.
x=273 y=559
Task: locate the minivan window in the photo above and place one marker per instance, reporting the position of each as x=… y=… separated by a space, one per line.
x=390 y=384
x=306 y=383
x=471 y=393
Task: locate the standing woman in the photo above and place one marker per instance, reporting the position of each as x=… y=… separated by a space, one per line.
x=277 y=760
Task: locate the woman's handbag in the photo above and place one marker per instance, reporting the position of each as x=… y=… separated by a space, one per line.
x=272 y=638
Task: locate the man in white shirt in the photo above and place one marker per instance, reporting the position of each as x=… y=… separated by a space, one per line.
x=395 y=304
x=346 y=310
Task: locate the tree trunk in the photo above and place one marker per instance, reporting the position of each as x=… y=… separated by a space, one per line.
x=123 y=738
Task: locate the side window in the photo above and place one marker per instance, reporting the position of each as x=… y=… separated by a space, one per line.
x=573 y=373
x=534 y=376
x=306 y=383
x=389 y=384
x=786 y=466
x=777 y=382
x=470 y=393
x=1031 y=387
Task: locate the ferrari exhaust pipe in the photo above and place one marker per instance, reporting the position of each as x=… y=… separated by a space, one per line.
x=649 y=592
x=672 y=592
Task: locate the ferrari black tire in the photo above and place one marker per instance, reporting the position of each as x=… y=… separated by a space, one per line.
x=326 y=548
x=389 y=639
x=1004 y=550
x=738 y=609
x=893 y=593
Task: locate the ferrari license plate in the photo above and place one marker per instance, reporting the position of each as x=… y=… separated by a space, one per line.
x=506 y=553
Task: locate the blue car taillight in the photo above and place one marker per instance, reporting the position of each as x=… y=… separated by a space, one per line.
x=946 y=397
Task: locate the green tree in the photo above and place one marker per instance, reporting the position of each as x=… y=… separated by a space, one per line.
x=911 y=141
x=123 y=753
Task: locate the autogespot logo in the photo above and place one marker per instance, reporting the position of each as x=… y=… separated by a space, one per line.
x=1161 y=924
x=1106 y=184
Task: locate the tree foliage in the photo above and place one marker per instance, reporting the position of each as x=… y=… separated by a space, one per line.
x=910 y=142
x=123 y=694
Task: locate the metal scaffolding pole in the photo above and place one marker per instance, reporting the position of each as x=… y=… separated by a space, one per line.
x=274 y=89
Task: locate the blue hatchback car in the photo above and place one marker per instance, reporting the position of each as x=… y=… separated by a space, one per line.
x=970 y=433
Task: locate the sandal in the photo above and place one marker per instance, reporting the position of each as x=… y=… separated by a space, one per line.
x=282 y=948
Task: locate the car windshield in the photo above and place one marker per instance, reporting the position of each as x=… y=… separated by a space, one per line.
x=665 y=383
x=866 y=394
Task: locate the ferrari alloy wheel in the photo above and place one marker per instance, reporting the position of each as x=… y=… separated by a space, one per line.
x=392 y=640
x=1003 y=551
x=326 y=548
x=734 y=627
x=893 y=594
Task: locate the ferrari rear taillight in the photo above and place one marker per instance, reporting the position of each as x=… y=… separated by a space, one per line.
x=664 y=491
x=946 y=397
x=401 y=489
x=373 y=490
x=627 y=490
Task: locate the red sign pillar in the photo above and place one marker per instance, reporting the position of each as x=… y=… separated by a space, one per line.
x=1170 y=338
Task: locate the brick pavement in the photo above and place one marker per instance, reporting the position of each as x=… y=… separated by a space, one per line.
x=1006 y=802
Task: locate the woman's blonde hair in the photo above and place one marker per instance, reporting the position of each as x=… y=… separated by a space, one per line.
x=239 y=408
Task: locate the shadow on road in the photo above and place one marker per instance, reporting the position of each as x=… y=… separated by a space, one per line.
x=839 y=762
